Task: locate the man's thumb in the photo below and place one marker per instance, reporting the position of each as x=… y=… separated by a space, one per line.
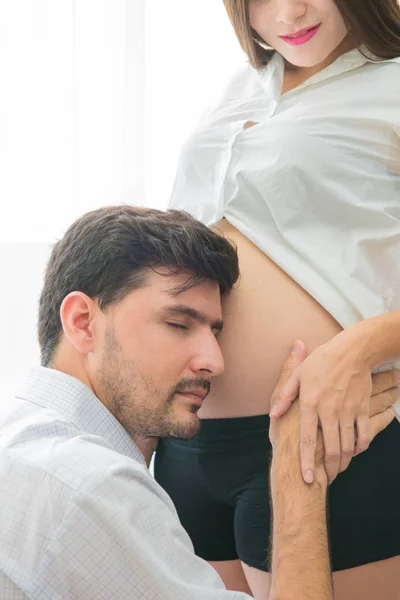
x=288 y=384
x=297 y=355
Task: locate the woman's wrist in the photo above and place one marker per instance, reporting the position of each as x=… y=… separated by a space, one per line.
x=374 y=341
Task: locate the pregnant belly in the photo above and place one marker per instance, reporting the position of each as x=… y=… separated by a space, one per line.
x=263 y=315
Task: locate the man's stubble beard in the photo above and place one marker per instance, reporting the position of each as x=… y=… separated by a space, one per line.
x=143 y=410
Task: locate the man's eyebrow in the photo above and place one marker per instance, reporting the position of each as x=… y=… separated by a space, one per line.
x=200 y=317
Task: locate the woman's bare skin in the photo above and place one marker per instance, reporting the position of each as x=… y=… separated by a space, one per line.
x=263 y=315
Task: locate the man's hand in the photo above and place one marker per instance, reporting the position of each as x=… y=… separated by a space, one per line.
x=279 y=427
x=385 y=393
x=300 y=556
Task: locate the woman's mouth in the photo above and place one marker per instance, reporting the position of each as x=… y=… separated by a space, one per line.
x=300 y=37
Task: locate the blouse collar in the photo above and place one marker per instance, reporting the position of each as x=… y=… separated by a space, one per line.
x=349 y=61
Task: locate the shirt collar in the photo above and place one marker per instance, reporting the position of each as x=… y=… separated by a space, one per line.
x=346 y=62
x=77 y=403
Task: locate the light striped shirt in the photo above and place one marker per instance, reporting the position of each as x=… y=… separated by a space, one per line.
x=81 y=517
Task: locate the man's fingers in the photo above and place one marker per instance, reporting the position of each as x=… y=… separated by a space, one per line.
x=379 y=422
x=381 y=419
x=331 y=433
x=363 y=425
x=298 y=354
x=284 y=396
x=380 y=402
x=308 y=441
x=288 y=385
x=347 y=443
x=381 y=382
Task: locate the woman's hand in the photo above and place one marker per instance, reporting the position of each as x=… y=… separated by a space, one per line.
x=334 y=388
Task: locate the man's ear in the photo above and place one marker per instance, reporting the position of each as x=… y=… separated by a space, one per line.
x=77 y=314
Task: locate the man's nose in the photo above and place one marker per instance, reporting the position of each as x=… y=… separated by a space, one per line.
x=208 y=357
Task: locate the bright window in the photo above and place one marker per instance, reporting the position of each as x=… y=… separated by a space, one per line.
x=97 y=98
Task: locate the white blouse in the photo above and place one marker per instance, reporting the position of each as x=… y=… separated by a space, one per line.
x=315 y=184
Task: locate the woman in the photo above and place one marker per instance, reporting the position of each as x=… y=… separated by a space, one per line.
x=299 y=164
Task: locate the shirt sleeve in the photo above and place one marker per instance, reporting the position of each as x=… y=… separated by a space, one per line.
x=122 y=539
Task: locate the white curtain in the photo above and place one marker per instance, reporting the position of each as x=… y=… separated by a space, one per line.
x=71 y=139
x=191 y=51
x=96 y=98
x=72 y=73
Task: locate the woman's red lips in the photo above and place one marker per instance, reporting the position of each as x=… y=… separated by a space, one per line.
x=300 y=37
x=299 y=32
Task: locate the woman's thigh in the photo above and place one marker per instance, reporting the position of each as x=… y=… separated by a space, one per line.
x=364 y=526
x=233 y=575
x=363 y=518
x=258 y=581
x=363 y=521
x=376 y=581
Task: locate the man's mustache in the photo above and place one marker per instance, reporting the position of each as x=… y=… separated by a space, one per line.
x=186 y=385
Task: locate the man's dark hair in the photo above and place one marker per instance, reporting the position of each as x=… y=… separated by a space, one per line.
x=107 y=253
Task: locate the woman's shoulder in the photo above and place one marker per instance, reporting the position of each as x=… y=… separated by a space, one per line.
x=244 y=81
x=395 y=59
x=376 y=82
x=386 y=80
x=234 y=95
x=388 y=67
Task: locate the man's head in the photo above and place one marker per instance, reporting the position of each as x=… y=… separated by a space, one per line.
x=131 y=306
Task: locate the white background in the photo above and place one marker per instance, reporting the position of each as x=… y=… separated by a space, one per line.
x=191 y=52
x=97 y=97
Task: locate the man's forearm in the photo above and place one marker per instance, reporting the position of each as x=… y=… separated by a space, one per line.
x=300 y=554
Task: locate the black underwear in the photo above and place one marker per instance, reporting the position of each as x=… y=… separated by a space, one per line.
x=219 y=485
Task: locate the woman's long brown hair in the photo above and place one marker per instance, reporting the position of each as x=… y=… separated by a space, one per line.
x=373 y=23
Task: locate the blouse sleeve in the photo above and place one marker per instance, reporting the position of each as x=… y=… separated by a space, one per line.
x=205 y=157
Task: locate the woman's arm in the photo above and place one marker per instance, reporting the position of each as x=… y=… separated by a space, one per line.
x=376 y=340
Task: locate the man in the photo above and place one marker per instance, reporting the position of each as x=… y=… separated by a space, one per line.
x=128 y=319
